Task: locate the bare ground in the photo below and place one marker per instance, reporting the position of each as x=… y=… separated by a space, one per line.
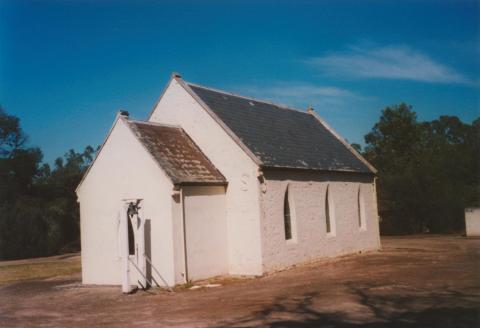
x=39 y=268
x=420 y=281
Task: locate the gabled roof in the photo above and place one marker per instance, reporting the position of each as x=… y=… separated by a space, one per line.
x=176 y=153
x=281 y=137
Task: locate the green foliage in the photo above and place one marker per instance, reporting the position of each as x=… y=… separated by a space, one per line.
x=428 y=171
x=11 y=135
x=39 y=213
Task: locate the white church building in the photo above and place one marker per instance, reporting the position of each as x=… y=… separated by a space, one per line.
x=213 y=184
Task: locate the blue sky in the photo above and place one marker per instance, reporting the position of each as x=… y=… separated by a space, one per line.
x=66 y=67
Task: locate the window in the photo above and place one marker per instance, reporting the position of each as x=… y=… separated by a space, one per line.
x=131 y=238
x=287 y=220
x=329 y=212
x=361 y=209
x=132 y=214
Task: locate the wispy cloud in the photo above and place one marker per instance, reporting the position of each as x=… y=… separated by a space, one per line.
x=301 y=95
x=391 y=62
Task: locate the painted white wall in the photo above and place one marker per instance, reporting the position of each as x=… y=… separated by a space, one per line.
x=239 y=230
x=472 y=222
x=122 y=170
x=178 y=239
x=242 y=196
x=206 y=231
x=307 y=193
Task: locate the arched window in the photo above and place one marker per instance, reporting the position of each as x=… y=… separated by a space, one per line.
x=361 y=209
x=327 y=212
x=287 y=219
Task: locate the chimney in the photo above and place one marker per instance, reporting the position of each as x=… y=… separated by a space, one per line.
x=123 y=113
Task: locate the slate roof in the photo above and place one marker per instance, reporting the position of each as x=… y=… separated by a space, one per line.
x=176 y=153
x=280 y=137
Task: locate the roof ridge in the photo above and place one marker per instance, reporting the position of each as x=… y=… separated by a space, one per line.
x=155 y=124
x=247 y=97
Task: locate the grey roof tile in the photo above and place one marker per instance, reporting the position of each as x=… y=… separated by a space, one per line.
x=280 y=137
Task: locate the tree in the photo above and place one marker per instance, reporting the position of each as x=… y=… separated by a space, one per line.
x=38 y=209
x=11 y=135
x=57 y=187
x=20 y=226
x=428 y=171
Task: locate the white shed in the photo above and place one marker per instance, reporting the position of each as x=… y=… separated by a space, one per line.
x=472 y=222
x=225 y=185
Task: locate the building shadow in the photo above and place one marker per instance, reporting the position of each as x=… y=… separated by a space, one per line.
x=148 y=251
x=448 y=308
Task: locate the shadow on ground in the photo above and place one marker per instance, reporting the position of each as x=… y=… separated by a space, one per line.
x=377 y=307
x=414 y=281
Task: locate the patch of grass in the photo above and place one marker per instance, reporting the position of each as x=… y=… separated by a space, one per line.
x=40 y=270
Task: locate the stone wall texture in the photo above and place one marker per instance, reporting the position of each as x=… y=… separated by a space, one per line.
x=350 y=195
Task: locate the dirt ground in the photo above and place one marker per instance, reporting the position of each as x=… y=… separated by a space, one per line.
x=420 y=281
